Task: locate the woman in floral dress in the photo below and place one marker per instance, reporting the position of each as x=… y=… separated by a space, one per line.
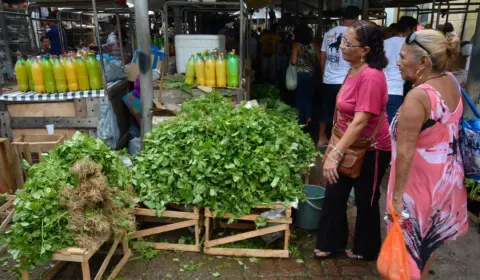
x=426 y=179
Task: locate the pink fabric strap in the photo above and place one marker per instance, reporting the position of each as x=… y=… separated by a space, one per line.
x=376 y=176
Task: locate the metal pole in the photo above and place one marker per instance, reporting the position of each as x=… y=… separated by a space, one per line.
x=297 y=11
x=99 y=44
x=132 y=34
x=145 y=67
x=119 y=29
x=433 y=14
x=283 y=10
x=473 y=80
x=34 y=38
x=438 y=14
x=365 y=9
x=242 y=42
x=465 y=20
x=6 y=41
x=60 y=29
x=320 y=19
x=81 y=28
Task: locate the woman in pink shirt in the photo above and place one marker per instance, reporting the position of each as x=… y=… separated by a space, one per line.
x=361 y=107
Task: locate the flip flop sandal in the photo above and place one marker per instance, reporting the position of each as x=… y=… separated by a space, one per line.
x=327 y=255
x=353 y=256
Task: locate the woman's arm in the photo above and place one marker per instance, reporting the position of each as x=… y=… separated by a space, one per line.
x=293 y=56
x=412 y=115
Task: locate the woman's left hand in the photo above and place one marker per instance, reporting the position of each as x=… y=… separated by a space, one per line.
x=330 y=167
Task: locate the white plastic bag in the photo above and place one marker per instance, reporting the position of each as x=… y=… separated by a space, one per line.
x=291 y=77
x=107 y=127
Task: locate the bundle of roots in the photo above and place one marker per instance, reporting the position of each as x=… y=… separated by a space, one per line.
x=96 y=214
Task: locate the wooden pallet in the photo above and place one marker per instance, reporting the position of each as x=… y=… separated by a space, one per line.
x=281 y=224
x=83 y=256
x=184 y=219
x=8 y=170
x=6 y=212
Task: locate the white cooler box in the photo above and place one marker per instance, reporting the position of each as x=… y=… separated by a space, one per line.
x=186 y=45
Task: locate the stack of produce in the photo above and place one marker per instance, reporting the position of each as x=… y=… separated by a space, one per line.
x=78 y=196
x=228 y=159
x=59 y=74
x=213 y=69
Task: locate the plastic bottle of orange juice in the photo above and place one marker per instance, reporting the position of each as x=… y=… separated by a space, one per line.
x=200 y=69
x=37 y=73
x=71 y=74
x=209 y=71
x=190 y=73
x=21 y=73
x=59 y=74
x=82 y=73
x=28 y=64
x=220 y=67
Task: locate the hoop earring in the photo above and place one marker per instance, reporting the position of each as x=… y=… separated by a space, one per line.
x=418 y=77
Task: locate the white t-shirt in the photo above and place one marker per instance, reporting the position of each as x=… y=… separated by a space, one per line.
x=336 y=69
x=392 y=48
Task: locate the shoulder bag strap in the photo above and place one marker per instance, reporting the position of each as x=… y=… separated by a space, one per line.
x=377 y=128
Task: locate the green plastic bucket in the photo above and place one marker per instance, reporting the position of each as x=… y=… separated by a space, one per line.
x=308 y=213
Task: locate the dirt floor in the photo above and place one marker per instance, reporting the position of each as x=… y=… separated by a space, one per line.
x=455 y=261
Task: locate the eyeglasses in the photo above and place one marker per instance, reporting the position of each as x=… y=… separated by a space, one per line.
x=412 y=39
x=348 y=45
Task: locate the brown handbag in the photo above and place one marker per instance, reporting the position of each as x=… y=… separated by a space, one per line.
x=352 y=161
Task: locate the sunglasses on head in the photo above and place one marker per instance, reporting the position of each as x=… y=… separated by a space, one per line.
x=412 y=39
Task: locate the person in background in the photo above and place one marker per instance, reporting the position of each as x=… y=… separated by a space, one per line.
x=45 y=44
x=395 y=82
x=412 y=24
x=53 y=35
x=268 y=43
x=426 y=183
x=304 y=52
x=361 y=113
x=334 y=70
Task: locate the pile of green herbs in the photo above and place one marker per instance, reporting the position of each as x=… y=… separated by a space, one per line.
x=261 y=91
x=276 y=106
x=228 y=159
x=40 y=222
x=473 y=187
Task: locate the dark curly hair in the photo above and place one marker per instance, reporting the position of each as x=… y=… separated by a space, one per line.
x=371 y=36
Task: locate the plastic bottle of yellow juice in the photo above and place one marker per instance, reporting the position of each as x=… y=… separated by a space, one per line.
x=200 y=70
x=48 y=75
x=94 y=72
x=210 y=71
x=59 y=74
x=37 y=73
x=71 y=74
x=190 y=73
x=220 y=71
x=21 y=73
x=28 y=64
x=82 y=73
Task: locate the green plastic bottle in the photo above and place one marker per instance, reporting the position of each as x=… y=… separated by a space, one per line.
x=50 y=86
x=21 y=74
x=200 y=69
x=59 y=74
x=232 y=70
x=82 y=73
x=28 y=65
x=190 y=73
x=94 y=72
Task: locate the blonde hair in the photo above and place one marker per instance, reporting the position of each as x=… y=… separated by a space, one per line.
x=443 y=49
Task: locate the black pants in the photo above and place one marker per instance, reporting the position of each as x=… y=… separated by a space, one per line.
x=329 y=101
x=333 y=231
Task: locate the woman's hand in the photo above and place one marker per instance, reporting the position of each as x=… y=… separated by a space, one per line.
x=397 y=206
x=330 y=172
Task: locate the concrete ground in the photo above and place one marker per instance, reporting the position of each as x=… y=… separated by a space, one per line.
x=458 y=260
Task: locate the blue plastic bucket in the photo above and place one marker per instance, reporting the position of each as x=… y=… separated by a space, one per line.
x=308 y=214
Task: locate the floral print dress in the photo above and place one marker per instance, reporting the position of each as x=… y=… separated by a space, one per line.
x=435 y=197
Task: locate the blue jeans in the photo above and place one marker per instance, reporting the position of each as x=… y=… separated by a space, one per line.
x=394 y=103
x=304 y=94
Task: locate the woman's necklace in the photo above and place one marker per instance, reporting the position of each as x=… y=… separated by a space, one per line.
x=431 y=78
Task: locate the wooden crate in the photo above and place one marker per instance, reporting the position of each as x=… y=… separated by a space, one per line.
x=31 y=147
x=8 y=168
x=281 y=224
x=473 y=206
x=183 y=218
x=6 y=212
x=83 y=256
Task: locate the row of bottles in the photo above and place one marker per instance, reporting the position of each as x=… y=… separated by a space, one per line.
x=63 y=74
x=213 y=69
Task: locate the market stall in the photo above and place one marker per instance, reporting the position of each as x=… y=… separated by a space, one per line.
x=87 y=109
